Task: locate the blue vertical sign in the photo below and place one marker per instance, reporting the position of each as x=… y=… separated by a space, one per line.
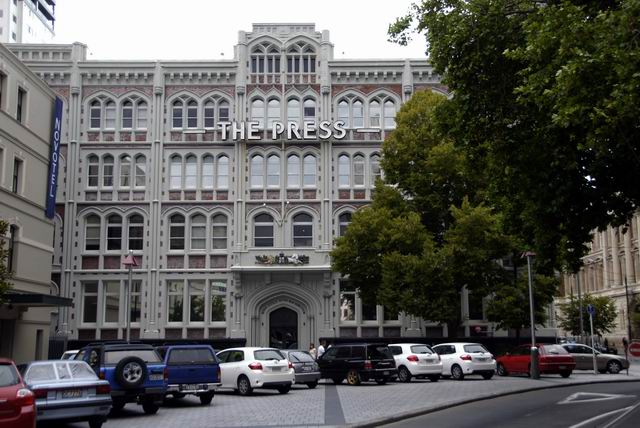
x=54 y=160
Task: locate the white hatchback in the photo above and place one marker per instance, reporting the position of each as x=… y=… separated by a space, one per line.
x=416 y=359
x=461 y=358
x=244 y=369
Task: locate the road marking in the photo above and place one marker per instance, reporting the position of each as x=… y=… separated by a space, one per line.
x=590 y=397
x=604 y=415
x=631 y=409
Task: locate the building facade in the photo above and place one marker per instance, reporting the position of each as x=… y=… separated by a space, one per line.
x=26 y=117
x=229 y=181
x=27 y=21
x=611 y=268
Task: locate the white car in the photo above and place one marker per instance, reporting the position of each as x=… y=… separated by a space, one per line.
x=416 y=359
x=69 y=355
x=244 y=369
x=461 y=359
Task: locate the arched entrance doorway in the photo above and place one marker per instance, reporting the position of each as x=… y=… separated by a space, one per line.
x=283 y=328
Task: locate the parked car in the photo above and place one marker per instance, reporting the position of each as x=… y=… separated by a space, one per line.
x=245 y=369
x=416 y=360
x=17 y=402
x=552 y=359
x=583 y=355
x=67 y=391
x=135 y=372
x=305 y=367
x=358 y=362
x=460 y=359
x=193 y=369
x=69 y=355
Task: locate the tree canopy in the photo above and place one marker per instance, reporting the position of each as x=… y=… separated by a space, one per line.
x=545 y=107
x=604 y=319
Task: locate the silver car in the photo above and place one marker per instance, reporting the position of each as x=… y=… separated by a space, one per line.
x=305 y=367
x=67 y=390
x=583 y=355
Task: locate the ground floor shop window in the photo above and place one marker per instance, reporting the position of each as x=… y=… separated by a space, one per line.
x=90 y=302
x=347 y=301
x=196 y=292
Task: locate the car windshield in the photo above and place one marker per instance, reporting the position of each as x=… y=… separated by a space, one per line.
x=421 y=349
x=8 y=375
x=40 y=373
x=554 y=349
x=81 y=370
x=146 y=355
x=475 y=348
x=379 y=353
x=268 y=354
x=302 y=357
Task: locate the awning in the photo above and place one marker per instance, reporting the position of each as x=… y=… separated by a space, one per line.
x=22 y=298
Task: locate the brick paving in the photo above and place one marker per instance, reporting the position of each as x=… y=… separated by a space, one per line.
x=365 y=404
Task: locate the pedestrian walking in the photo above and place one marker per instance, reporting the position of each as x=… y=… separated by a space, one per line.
x=322 y=348
x=313 y=351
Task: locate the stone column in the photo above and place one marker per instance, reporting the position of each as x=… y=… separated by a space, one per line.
x=615 y=248
x=605 y=261
x=628 y=258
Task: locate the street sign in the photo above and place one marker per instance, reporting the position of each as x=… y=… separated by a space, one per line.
x=634 y=349
x=591 y=309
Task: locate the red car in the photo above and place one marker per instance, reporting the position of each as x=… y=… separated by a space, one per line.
x=552 y=359
x=17 y=403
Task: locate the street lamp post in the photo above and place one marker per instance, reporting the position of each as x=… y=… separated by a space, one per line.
x=580 y=307
x=129 y=263
x=535 y=374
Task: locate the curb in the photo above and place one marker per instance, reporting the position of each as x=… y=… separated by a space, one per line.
x=426 y=411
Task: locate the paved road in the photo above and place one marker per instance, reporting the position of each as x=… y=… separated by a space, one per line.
x=330 y=405
x=613 y=405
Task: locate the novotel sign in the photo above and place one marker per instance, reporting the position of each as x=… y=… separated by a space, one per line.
x=54 y=160
x=254 y=130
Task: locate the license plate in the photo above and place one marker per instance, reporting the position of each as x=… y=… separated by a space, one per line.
x=306 y=369
x=192 y=387
x=481 y=359
x=156 y=377
x=385 y=373
x=276 y=369
x=72 y=393
x=428 y=361
x=562 y=367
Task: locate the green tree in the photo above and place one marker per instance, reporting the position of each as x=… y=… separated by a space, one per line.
x=603 y=321
x=545 y=108
x=5 y=274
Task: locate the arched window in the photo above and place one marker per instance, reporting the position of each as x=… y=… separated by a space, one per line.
x=358 y=170
x=219 y=232
x=273 y=171
x=293 y=171
x=358 y=114
x=140 y=171
x=293 y=111
x=351 y=112
x=303 y=230
x=309 y=171
x=344 y=220
x=92 y=233
x=207 y=172
x=222 y=179
x=389 y=114
x=301 y=58
x=223 y=111
x=93 y=171
x=125 y=171
x=374 y=114
x=209 y=114
x=257 y=171
x=192 y=114
x=257 y=112
x=376 y=173
x=344 y=171
x=273 y=112
x=176 y=232
x=265 y=58
x=127 y=115
x=309 y=110
x=263 y=231
x=110 y=115
x=191 y=172
x=95 y=114
x=343 y=112
x=141 y=115
x=107 y=171
x=176 y=113
x=175 y=172
x=136 y=232
x=114 y=232
x=198 y=232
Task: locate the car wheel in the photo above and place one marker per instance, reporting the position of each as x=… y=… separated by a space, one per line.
x=205 y=399
x=353 y=377
x=502 y=371
x=614 y=367
x=131 y=372
x=313 y=384
x=244 y=386
x=565 y=373
x=404 y=375
x=337 y=380
x=456 y=372
x=117 y=405
x=381 y=381
x=487 y=376
x=150 y=408
x=96 y=422
x=434 y=378
x=284 y=389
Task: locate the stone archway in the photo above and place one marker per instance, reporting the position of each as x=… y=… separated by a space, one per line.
x=283 y=328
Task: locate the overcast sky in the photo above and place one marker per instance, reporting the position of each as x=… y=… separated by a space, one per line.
x=208 y=29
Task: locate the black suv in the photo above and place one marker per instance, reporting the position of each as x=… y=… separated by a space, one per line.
x=358 y=362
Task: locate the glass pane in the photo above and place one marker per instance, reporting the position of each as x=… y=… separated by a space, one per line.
x=218 y=308
x=347 y=307
x=90 y=309
x=175 y=308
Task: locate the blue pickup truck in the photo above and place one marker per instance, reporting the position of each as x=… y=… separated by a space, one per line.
x=193 y=369
x=135 y=372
